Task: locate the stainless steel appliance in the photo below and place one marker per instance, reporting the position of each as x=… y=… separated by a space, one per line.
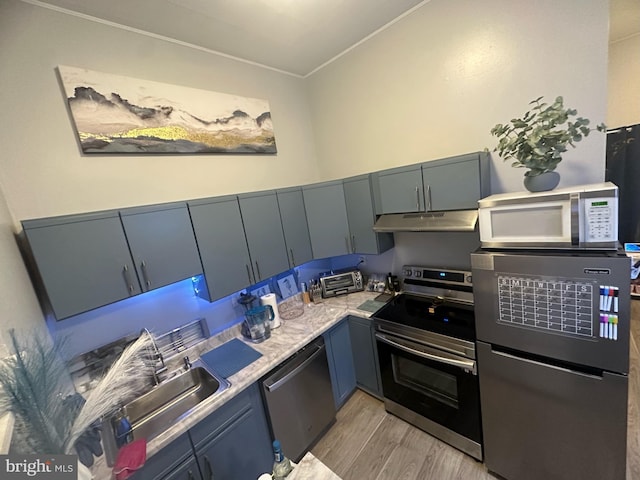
x=553 y=359
x=299 y=399
x=443 y=221
x=575 y=218
x=339 y=283
x=425 y=339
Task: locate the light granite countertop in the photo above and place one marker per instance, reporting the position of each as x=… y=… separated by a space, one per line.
x=310 y=468
x=284 y=342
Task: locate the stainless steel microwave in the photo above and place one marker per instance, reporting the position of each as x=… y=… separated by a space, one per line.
x=574 y=218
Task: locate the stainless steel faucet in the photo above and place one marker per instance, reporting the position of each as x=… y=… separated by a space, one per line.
x=156 y=356
x=187 y=363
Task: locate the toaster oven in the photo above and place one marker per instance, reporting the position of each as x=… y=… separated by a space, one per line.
x=340 y=283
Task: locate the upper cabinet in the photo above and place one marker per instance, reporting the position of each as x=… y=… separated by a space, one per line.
x=85 y=261
x=341 y=217
x=162 y=244
x=294 y=226
x=263 y=229
x=223 y=246
x=454 y=183
x=398 y=190
x=359 y=201
x=327 y=218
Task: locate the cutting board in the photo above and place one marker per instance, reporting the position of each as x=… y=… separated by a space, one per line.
x=231 y=357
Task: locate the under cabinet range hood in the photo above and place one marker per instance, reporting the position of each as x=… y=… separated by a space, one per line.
x=446 y=221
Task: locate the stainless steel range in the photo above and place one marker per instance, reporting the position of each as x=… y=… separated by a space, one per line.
x=426 y=349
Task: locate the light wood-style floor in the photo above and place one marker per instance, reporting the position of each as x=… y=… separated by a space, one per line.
x=366 y=443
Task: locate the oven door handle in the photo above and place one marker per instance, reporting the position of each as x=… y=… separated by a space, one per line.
x=467 y=365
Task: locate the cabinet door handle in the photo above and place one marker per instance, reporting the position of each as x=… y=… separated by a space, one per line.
x=248 y=273
x=145 y=274
x=429 y=197
x=207 y=468
x=353 y=244
x=127 y=278
x=293 y=260
x=258 y=271
x=417 y=199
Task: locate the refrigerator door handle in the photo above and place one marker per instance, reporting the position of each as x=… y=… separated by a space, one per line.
x=546 y=365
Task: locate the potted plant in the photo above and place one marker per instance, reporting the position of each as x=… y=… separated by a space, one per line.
x=538 y=139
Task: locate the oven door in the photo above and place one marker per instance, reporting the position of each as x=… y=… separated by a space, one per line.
x=435 y=390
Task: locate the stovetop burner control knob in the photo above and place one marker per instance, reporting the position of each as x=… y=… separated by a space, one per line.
x=407 y=272
x=418 y=273
x=469 y=279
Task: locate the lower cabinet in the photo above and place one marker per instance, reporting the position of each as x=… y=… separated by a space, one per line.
x=175 y=461
x=187 y=471
x=341 y=367
x=232 y=443
x=365 y=355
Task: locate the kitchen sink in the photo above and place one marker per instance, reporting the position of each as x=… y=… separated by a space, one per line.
x=155 y=411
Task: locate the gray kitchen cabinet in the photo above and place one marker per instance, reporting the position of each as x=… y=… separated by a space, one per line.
x=234 y=441
x=82 y=261
x=365 y=355
x=294 y=226
x=341 y=366
x=361 y=217
x=398 y=190
x=456 y=183
x=327 y=218
x=263 y=230
x=162 y=244
x=176 y=461
x=217 y=224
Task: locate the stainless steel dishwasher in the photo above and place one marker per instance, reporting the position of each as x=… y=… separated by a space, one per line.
x=299 y=399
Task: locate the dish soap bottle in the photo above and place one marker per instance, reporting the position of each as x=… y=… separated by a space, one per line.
x=281 y=464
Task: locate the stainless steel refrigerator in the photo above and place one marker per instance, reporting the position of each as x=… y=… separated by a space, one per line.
x=553 y=362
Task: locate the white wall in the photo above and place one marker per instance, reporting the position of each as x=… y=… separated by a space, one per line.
x=435 y=83
x=18 y=304
x=42 y=168
x=624 y=76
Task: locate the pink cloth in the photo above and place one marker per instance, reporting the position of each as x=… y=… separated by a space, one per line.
x=130 y=458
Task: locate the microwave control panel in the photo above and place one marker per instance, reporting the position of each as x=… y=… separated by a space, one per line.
x=601 y=218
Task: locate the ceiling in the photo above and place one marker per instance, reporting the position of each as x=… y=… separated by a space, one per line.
x=293 y=36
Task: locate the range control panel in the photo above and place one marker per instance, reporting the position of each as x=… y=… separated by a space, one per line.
x=559 y=305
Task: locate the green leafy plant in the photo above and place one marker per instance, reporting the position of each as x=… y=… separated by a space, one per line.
x=538 y=139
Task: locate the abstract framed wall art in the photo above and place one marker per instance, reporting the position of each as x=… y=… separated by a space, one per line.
x=114 y=114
